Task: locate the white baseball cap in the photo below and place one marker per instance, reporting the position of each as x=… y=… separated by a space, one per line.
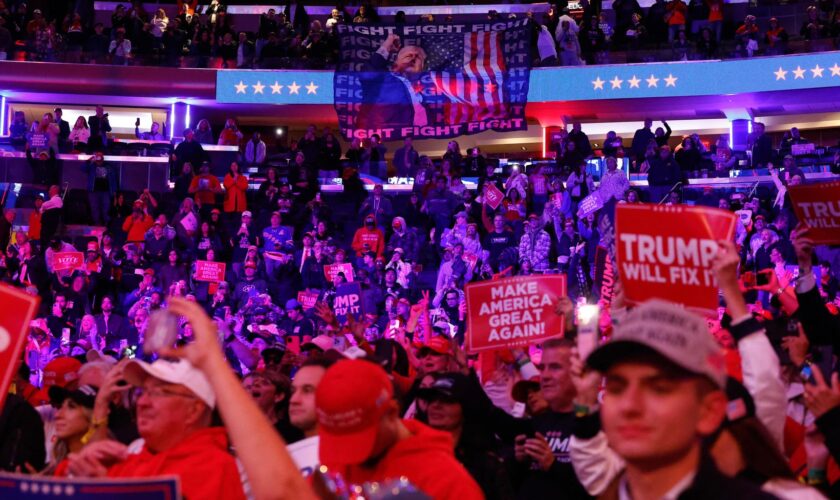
x=669 y=330
x=179 y=372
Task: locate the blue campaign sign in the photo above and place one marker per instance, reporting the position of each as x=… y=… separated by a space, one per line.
x=22 y=487
x=625 y=81
x=348 y=301
x=274 y=87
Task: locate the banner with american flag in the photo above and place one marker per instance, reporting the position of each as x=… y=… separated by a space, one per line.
x=432 y=81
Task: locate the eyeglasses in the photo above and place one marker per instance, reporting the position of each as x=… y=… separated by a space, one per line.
x=161 y=392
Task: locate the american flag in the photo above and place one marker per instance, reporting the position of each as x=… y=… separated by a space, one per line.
x=470 y=71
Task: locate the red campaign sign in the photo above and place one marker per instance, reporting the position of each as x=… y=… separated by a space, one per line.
x=818 y=206
x=307 y=299
x=332 y=270
x=206 y=270
x=19 y=309
x=666 y=252
x=513 y=312
x=68 y=261
x=493 y=196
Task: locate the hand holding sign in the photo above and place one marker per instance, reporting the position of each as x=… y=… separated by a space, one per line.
x=19 y=308
x=667 y=252
x=513 y=312
x=818 y=207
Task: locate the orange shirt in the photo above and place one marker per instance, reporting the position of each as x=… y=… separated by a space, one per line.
x=678 y=9
x=205 y=188
x=136 y=229
x=715 y=10
x=235 y=200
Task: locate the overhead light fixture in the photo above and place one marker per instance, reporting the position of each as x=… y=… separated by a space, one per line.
x=279 y=131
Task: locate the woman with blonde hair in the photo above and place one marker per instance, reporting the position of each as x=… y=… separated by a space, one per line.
x=72 y=424
x=80 y=132
x=203 y=132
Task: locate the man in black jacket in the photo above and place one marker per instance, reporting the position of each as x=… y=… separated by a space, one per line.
x=664 y=394
x=99 y=128
x=663 y=175
x=63 y=128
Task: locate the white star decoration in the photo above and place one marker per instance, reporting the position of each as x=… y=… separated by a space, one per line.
x=276 y=88
x=634 y=82
x=801 y=73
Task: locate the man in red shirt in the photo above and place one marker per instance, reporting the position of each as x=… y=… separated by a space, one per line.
x=363 y=438
x=174 y=413
x=369 y=235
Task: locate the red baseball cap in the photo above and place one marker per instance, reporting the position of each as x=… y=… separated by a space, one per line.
x=439 y=345
x=350 y=401
x=61 y=371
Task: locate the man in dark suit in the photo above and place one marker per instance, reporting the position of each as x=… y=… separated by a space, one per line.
x=99 y=128
x=389 y=99
x=406 y=159
x=110 y=325
x=63 y=128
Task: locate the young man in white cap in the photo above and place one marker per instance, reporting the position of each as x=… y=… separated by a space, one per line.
x=174 y=415
x=664 y=394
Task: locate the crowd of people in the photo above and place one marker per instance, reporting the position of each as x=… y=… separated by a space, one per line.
x=206 y=36
x=137 y=366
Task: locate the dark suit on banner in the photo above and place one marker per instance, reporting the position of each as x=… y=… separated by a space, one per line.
x=387 y=98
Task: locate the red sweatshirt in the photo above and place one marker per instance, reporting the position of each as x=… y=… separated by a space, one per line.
x=427 y=459
x=202 y=461
x=373 y=237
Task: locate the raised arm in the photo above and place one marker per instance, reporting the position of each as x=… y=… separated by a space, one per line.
x=270 y=468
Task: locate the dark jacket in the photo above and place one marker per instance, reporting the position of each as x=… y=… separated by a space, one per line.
x=664 y=172
x=21 y=435
x=90 y=168
x=116 y=330
x=708 y=483
x=386 y=102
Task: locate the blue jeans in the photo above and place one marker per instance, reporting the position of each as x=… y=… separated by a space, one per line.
x=100 y=201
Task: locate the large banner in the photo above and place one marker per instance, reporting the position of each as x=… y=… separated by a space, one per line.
x=432 y=81
x=666 y=252
x=513 y=312
x=25 y=487
x=818 y=207
x=18 y=310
